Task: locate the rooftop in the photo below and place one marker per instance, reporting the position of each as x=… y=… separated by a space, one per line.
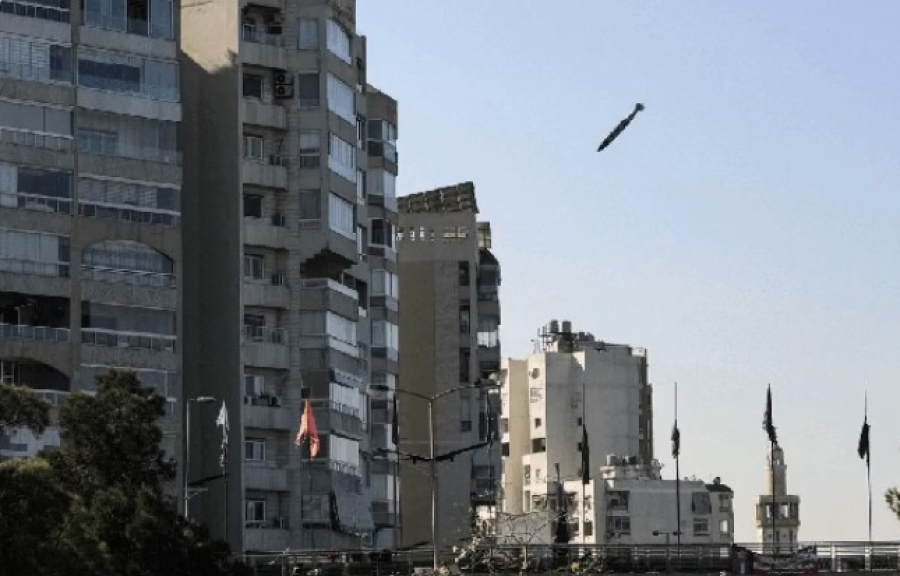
x=456 y=198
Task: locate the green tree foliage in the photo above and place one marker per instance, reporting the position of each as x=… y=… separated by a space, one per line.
x=97 y=506
x=892 y=497
x=19 y=407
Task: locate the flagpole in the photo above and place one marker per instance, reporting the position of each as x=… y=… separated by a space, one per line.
x=585 y=473
x=774 y=505
x=868 y=467
x=677 y=485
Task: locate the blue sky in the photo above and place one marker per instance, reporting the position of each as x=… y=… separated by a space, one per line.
x=744 y=228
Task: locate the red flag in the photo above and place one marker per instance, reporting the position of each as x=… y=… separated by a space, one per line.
x=308 y=431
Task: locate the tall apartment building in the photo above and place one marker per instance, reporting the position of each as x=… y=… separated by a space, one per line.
x=450 y=282
x=90 y=201
x=571 y=379
x=291 y=160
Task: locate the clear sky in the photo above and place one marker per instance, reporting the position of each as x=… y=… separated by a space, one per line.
x=744 y=228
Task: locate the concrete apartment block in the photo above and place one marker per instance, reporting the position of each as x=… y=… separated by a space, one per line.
x=449 y=279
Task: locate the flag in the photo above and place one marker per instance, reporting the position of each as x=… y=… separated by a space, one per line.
x=620 y=128
x=222 y=422
x=585 y=456
x=863 y=449
x=308 y=431
x=676 y=440
x=768 y=426
x=395 y=425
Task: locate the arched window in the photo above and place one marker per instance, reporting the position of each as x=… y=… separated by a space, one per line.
x=127 y=261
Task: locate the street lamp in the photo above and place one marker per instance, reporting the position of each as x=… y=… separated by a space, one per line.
x=668 y=548
x=481 y=384
x=187 y=448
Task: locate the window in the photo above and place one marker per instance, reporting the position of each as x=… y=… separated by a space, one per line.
x=24 y=58
x=724 y=503
x=35 y=188
x=128 y=74
x=253 y=147
x=464 y=318
x=383 y=233
x=701 y=526
x=310 y=205
x=34 y=253
x=254 y=266
x=338 y=41
x=539 y=445
x=144 y=18
x=255 y=450
x=253 y=85
x=526 y=471
x=360 y=186
x=128 y=200
x=341 y=99
x=724 y=527
x=504 y=449
x=342 y=158
x=127 y=137
x=385 y=283
x=341 y=216
x=464 y=278
x=465 y=356
x=382 y=183
x=340 y=328
x=618 y=525
x=54 y=11
x=252 y=206
x=588 y=528
x=253 y=385
x=307 y=34
x=617 y=500
x=385 y=335
x=256 y=512
x=308 y=89
x=537 y=424
x=310 y=149
x=343 y=450
x=700 y=503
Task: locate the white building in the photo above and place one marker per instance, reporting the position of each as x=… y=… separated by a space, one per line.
x=573 y=379
x=787 y=522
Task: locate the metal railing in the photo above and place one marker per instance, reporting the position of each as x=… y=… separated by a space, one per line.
x=825 y=557
x=135 y=277
x=265 y=334
x=55 y=142
x=116 y=339
x=252 y=35
x=311 y=283
x=34 y=333
x=35 y=202
x=128 y=213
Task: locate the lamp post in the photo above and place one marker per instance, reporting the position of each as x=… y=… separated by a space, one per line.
x=668 y=546
x=187 y=448
x=432 y=439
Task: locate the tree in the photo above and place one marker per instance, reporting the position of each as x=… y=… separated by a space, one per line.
x=892 y=497
x=19 y=407
x=96 y=506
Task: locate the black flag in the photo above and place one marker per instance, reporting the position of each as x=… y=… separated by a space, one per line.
x=585 y=457
x=620 y=128
x=676 y=440
x=768 y=426
x=395 y=425
x=863 y=449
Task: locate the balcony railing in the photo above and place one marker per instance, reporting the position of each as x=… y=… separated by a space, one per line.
x=135 y=277
x=331 y=285
x=32 y=72
x=129 y=214
x=55 y=398
x=36 y=268
x=327 y=341
x=119 y=339
x=53 y=142
x=110 y=146
x=36 y=202
x=249 y=34
x=265 y=335
x=34 y=333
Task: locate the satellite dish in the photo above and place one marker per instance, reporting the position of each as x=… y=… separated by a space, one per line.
x=535 y=372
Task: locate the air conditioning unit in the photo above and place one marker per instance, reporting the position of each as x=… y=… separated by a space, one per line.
x=279 y=220
x=284 y=85
x=279 y=279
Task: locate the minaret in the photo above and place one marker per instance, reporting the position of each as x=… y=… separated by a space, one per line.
x=787 y=520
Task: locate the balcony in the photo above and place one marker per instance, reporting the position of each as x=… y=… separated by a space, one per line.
x=269 y=232
x=265 y=347
x=325 y=294
x=33 y=333
x=269 y=174
x=262 y=49
x=266 y=539
x=383 y=513
x=269 y=417
x=118 y=339
x=265 y=294
x=342 y=419
x=51 y=142
x=133 y=277
x=263 y=477
x=264 y=114
x=325 y=341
